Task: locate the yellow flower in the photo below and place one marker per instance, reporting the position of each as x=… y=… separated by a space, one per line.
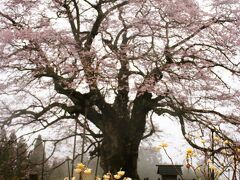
x=98 y=178
x=87 y=171
x=216 y=138
x=189 y=153
x=77 y=170
x=189 y=150
x=116 y=176
x=73 y=178
x=209 y=161
x=224 y=151
x=106 y=177
x=212 y=167
x=80 y=166
x=226 y=142
x=121 y=173
x=164 y=145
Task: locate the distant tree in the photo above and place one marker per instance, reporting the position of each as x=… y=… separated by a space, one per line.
x=22 y=160
x=114 y=63
x=37 y=156
x=8 y=155
x=3 y=153
x=13 y=156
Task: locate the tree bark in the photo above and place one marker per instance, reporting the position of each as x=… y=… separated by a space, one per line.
x=122 y=136
x=120 y=151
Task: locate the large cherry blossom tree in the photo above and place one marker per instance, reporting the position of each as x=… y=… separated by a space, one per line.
x=117 y=62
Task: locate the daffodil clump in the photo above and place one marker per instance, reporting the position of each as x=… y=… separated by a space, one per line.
x=66 y=178
x=118 y=175
x=80 y=168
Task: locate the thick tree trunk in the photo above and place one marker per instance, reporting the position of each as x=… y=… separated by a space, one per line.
x=120 y=155
x=120 y=145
